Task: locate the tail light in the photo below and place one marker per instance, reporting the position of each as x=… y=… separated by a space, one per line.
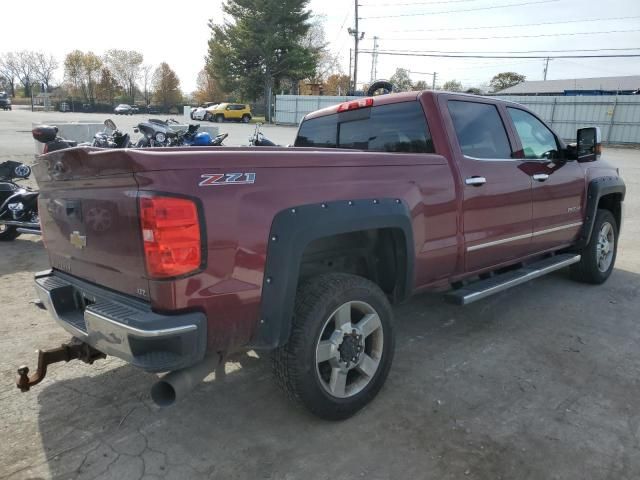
x=355 y=104
x=171 y=236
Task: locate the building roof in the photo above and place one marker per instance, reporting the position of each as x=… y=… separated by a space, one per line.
x=631 y=82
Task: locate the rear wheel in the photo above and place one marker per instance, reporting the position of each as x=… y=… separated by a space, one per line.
x=246 y=118
x=8 y=233
x=341 y=345
x=219 y=118
x=599 y=256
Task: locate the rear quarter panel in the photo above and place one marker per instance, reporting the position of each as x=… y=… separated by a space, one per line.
x=238 y=219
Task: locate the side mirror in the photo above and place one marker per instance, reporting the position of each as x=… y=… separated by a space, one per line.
x=109 y=124
x=589 y=145
x=136 y=130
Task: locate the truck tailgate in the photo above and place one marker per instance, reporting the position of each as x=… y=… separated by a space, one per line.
x=89 y=215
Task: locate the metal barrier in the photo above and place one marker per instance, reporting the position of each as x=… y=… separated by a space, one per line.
x=618 y=116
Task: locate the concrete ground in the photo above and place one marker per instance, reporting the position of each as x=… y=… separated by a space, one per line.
x=540 y=382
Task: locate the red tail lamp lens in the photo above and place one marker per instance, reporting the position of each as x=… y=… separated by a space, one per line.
x=171 y=236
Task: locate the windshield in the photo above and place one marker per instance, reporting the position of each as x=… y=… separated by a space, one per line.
x=3 y=95
x=398 y=127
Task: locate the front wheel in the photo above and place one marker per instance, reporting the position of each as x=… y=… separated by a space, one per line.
x=341 y=345
x=246 y=118
x=8 y=233
x=599 y=256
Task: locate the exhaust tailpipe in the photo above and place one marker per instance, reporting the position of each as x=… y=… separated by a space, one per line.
x=177 y=384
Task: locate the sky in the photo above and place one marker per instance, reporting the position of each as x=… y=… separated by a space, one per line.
x=178 y=34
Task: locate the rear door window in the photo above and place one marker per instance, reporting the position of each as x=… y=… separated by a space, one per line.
x=398 y=127
x=479 y=129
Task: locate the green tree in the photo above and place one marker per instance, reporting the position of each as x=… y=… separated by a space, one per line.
x=452 y=86
x=166 y=87
x=262 y=44
x=505 y=80
x=401 y=80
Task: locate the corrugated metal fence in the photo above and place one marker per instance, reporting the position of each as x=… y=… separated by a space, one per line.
x=291 y=108
x=617 y=116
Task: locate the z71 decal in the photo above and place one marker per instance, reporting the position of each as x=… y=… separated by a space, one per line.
x=213 y=179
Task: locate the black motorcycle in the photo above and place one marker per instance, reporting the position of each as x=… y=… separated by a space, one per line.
x=160 y=133
x=156 y=133
x=110 y=137
x=18 y=205
x=259 y=140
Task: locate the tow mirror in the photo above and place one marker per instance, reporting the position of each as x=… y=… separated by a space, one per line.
x=589 y=144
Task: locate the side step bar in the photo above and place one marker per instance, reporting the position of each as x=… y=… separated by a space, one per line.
x=484 y=288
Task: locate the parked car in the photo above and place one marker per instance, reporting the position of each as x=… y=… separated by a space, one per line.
x=393 y=195
x=123 y=109
x=135 y=109
x=153 y=109
x=5 y=101
x=203 y=113
x=230 y=111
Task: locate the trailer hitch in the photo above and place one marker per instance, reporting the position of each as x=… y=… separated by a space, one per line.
x=75 y=349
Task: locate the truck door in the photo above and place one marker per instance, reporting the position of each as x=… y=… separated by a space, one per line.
x=496 y=206
x=558 y=185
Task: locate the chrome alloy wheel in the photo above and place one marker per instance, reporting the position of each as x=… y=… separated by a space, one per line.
x=605 y=247
x=349 y=349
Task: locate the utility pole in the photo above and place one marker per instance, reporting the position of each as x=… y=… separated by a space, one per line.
x=357 y=35
x=350 y=63
x=433 y=83
x=374 y=60
x=546 y=68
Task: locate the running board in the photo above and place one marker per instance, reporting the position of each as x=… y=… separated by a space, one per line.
x=484 y=288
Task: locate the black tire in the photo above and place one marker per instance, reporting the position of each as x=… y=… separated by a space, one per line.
x=294 y=364
x=246 y=118
x=8 y=233
x=220 y=118
x=207 y=117
x=588 y=269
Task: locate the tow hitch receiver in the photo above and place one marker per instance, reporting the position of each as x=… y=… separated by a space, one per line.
x=68 y=351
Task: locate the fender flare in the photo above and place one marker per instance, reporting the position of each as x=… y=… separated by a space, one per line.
x=598 y=188
x=291 y=232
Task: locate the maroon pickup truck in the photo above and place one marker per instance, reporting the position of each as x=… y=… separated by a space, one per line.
x=172 y=258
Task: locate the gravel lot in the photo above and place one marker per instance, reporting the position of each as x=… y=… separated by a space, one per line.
x=540 y=382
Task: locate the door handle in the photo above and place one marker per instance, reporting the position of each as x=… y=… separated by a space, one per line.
x=541 y=177
x=476 y=181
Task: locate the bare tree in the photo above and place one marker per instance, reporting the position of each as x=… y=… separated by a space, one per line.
x=82 y=71
x=45 y=68
x=26 y=69
x=146 y=75
x=9 y=71
x=125 y=65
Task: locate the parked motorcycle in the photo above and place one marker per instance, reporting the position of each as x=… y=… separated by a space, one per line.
x=159 y=133
x=49 y=136
x=259 y=140
x=18 y=205
x=111 y=137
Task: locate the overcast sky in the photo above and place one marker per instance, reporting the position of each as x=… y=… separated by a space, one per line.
x=177 y=32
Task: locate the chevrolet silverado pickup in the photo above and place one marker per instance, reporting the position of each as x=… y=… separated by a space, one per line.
x=172 y=258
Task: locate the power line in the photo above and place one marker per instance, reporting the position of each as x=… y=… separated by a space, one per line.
x=519 y=51
x=517 y=36
x=416 y=3
x=445 y=55
x=515 y=25
x=492 y=7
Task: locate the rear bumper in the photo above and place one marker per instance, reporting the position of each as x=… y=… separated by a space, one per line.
x=123 y=326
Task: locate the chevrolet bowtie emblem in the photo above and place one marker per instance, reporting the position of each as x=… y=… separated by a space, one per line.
x=77 y=240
